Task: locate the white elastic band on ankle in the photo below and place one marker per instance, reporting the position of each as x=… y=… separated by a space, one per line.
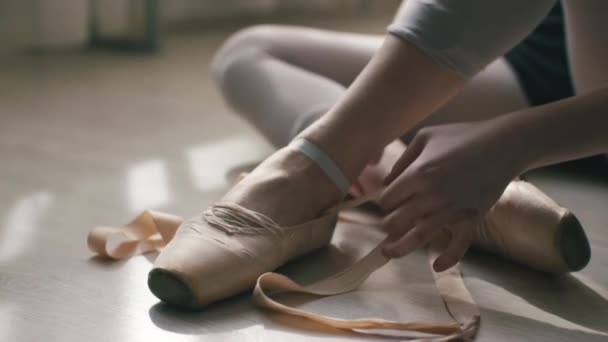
x=328 y=166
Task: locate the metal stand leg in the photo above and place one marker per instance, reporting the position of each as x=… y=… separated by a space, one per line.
x=148 y=42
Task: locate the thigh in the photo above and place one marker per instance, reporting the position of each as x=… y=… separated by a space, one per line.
x=339 y=56
x=492 y=92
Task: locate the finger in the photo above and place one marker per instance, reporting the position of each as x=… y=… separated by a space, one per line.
x=356 y=189
x=442 y=239
x=461 y=241
x=403 y=219
x=418 y=236
x=405 y=184
x=400 y=191
x=407 y=158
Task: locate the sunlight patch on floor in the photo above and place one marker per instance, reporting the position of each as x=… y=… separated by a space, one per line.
x=21 y=223
x=147 y=185
x=210 y=163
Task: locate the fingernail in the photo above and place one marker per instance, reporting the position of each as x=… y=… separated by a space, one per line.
x=438 y=266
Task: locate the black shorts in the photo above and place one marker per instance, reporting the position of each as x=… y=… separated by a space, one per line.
x=540 y=61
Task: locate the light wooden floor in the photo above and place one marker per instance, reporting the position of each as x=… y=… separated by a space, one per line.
x=92 y=138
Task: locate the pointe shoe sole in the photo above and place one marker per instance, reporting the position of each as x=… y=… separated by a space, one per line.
x=572 y=242
x=170 y=288
x=528 y=227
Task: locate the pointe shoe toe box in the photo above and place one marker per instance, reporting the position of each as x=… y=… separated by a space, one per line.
x=202 y=264
x=528 y=227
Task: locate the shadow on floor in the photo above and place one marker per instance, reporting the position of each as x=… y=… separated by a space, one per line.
x=563 y=296
x=99 y=261
x=502 y=324
x=594 y=170
x=222 y=316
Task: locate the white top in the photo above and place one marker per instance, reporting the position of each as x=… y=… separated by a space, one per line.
x=467 y=35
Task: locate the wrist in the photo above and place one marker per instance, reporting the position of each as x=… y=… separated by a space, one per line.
x=516 y=139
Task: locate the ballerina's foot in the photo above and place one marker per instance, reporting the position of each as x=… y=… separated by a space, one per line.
x=203 y=264
x=528 y=227
x=288 y=187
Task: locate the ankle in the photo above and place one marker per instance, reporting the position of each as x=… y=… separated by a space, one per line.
x=305 y=176
x=293 y=187
x=350 y=158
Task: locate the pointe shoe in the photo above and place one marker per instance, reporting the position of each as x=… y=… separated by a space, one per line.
x=224 y=251
x=203 y=264
x=528 y=227
x=525 y=225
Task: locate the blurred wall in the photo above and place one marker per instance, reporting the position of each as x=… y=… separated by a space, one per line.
x=28 y=24
x=49 y=24
x=178 y=10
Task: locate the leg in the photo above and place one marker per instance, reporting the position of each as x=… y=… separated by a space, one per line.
x=256 y=65
x=282 y=78
x=260 y=71
x=317 y=65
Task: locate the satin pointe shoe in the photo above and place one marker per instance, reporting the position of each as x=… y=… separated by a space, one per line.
x=204 y=263
x=223 y=251
x=525 y=225
x=528 y=227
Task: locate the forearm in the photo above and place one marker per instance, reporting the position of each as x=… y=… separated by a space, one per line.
x=398 y=88
x=564 y=130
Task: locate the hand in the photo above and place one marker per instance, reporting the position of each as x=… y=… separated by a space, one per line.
x=447 y=179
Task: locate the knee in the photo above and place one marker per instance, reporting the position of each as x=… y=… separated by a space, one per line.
x=241 y=49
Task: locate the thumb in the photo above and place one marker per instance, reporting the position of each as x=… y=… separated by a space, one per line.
x=407 y=158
